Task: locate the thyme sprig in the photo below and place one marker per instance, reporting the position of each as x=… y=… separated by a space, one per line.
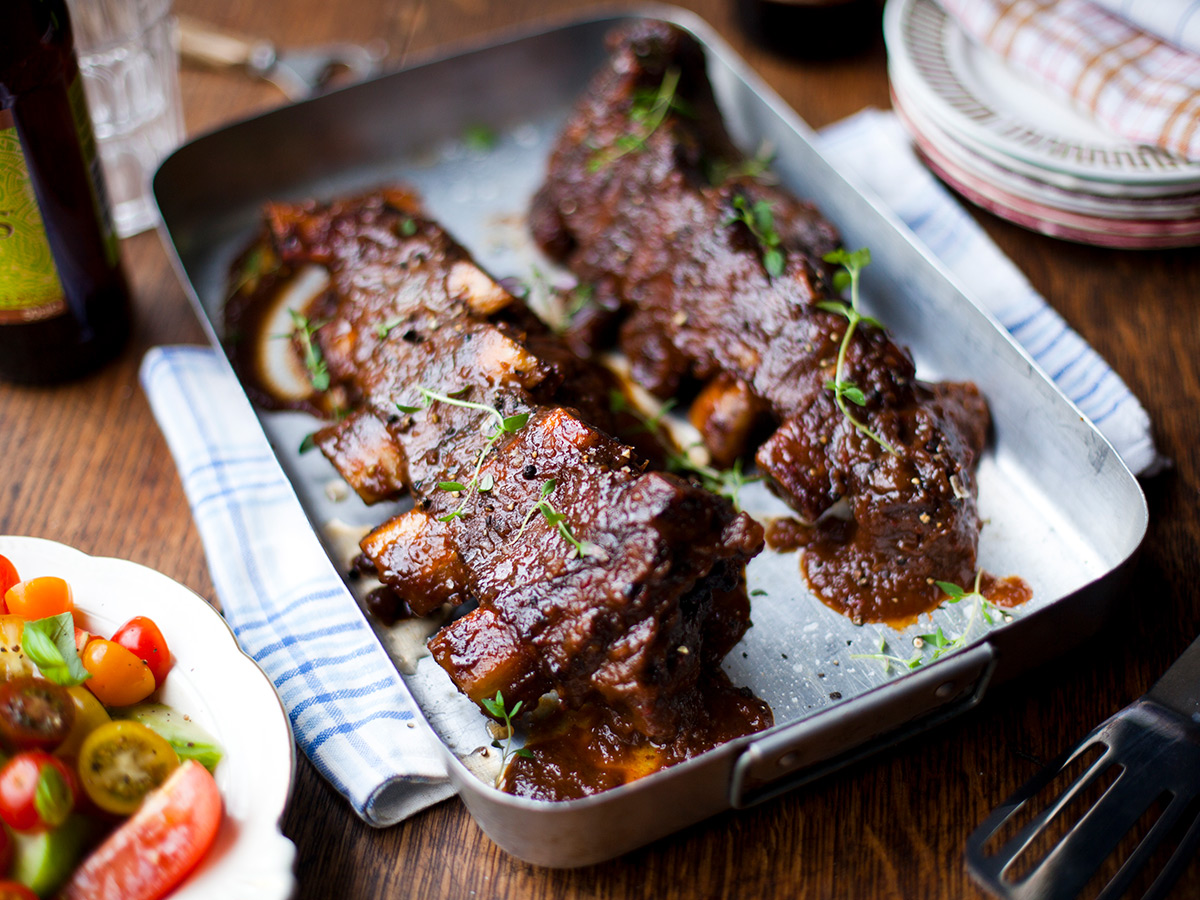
x=497 y=708
x=941 y=644
x=504 y=425
x=726 y=483
x=558 y=521
x=843 y=388
x=302 y=332
x=647 y=112
x=757 y=167
x=760 y=221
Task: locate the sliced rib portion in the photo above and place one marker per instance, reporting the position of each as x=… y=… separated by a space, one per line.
x=710 y=280
x=590 y=577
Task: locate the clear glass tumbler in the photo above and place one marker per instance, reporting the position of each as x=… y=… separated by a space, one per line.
x=130 y=64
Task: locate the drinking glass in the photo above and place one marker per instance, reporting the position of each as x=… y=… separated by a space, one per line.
x=130 y=65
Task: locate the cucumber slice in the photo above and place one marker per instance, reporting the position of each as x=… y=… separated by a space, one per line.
x=186 y=738
x=42 y=861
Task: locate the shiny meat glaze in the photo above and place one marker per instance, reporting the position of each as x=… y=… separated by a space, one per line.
x=657 y=596
x=687 y=292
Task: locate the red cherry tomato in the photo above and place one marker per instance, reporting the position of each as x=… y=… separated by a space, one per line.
x=14 y=890
x=152 y=852
x=8 y=575
x=81 y=639
x=118 y=677
x=38 y=598
x=20 y=806
x=142 y=638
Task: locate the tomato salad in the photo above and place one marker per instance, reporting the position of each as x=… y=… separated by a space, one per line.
x=103 y=793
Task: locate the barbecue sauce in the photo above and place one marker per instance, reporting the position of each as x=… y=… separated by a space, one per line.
x=64 y=304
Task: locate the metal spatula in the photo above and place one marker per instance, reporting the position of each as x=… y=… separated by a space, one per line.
x=1052 y=840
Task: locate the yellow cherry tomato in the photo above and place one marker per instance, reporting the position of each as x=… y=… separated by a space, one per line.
x=118 y=677
x=38 y=598
x=123 y=761
x=90 y=714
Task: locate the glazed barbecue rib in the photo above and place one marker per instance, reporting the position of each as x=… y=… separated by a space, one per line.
x=644 y=202
x=593 y=578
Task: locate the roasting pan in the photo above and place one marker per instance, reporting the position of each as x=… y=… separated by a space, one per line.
x=1061 y=509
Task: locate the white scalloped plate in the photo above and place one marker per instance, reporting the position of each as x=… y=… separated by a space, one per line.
x=215 y=684
x=970 y=92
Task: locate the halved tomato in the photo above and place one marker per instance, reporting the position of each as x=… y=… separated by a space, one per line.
x=151 y=853
x=121 y=762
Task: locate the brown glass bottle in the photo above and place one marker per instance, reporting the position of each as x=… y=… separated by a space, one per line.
x=64 y=303
x=811 y=29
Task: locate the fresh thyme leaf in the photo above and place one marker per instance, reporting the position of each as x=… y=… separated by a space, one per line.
x=647 y=112
x=843 y=389
x=408 y=409
x=497 y=709
x=309 y=443
x=723 y=482
x=505 y=425
x=525 y=753
x=451 y=486
x=480 y=137
x=758 y=592
x=385 y=328
x=486 y=483
x=760 y=222
x=549 y=487
x=303 y=331
x=511 y=424
x=408 y=227
x=953 y=591
x=757 y=167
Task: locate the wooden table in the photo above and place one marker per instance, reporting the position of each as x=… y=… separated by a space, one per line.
x=86 y=464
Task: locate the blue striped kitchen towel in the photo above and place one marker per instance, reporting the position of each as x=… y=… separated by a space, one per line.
x=874 y=151
x=351 y=713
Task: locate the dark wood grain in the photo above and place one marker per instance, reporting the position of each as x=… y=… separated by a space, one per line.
x=86 y=464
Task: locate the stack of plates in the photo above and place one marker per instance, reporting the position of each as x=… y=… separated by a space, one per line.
x=998 y=139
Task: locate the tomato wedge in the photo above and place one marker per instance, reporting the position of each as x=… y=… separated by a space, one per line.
x=151 y=853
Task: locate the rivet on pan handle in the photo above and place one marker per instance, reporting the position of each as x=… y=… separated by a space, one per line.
x=812 y=748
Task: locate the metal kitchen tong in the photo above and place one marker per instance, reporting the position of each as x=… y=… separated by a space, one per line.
x=1150 y=752
x=298 y=73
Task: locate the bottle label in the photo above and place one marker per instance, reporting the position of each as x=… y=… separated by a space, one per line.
x=29 y=285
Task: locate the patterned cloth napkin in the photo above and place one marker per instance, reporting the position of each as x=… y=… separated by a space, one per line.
x=290 y=610
x=1131 y=81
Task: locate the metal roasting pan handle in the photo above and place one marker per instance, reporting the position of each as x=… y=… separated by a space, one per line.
x=814 y=747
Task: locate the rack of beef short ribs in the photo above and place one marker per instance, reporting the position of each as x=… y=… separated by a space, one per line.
x=642 y=202
x=630 y=632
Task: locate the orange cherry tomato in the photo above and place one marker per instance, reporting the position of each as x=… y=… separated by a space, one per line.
x=152 y=852
x=118 y=677
x=8 y=575
x=38 y=598
x=141 y=637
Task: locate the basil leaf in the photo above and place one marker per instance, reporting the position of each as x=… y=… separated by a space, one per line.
x=52 y=798
x=50 y=643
